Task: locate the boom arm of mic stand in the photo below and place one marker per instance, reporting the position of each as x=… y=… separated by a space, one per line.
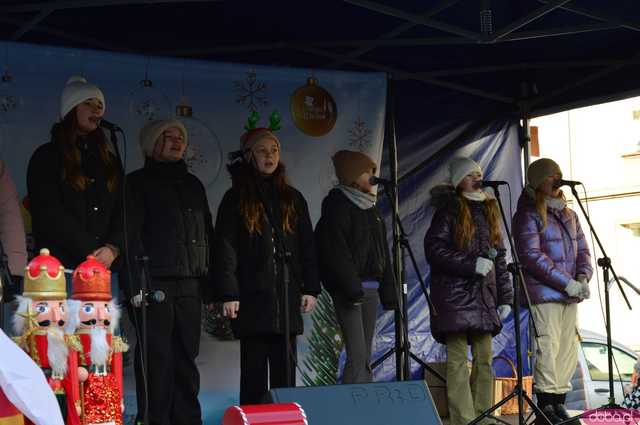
x=604 y=253
x=629 y=284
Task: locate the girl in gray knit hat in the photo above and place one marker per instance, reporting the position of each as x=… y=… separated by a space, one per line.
x=556 y=264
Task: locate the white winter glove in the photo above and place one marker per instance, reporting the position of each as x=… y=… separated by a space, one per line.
x=483 y=266
x=503 y=311
x=585 y=294
x=574 y=289
x=136 y=300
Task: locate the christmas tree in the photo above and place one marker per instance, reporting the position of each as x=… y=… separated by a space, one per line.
x=325 y=344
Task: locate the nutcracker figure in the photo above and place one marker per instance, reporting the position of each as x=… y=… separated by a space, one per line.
x=97 y=314
x=40 y=322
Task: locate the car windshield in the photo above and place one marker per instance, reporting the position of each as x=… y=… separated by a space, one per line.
x=596 y=357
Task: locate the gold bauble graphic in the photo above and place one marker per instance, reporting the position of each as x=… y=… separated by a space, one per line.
x=313 y=109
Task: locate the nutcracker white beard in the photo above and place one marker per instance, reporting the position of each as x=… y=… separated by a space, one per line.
x=99 y=346
x=57 y=351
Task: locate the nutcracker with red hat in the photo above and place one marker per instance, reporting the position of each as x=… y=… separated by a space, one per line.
x=97 y=314
x=40 y=320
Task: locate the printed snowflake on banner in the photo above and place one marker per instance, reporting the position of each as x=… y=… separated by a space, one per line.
x=8 y=103
x=250 y=92
x=148 y=110
x=360 y=135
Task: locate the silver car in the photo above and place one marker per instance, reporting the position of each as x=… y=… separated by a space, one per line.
x=590 y=381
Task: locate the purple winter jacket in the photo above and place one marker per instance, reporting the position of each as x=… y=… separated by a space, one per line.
x=464 y=301
x=550 y=258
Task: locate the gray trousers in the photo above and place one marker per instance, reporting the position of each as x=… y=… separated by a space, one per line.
x=358 y=323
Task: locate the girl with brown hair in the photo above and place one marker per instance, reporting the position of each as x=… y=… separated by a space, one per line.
x=73 y=183
x=249 y=274
x=470 y=285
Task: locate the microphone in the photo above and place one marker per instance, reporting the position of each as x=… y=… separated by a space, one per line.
x=235 y=155
x=151 y=297
x=492 y=253
x=109 y=125
x=373 y=181
x=493 y=184
x=570 y=183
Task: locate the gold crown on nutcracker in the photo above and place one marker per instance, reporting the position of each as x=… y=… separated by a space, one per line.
x=91 y=281
x=44 y=278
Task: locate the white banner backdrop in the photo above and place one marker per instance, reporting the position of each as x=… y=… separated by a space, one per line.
x=321 y=112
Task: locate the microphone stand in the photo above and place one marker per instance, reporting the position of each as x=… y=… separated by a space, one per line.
x=114 y=142
x=605 y=264
x=283 y=259
x=401 y=240
x=140 y=328
x=515 y=268
x=143 y=260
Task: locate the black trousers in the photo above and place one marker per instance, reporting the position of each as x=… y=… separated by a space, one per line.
x=263 y=366
x=173 y=342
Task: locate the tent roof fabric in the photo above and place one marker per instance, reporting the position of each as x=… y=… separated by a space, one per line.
x=507 y=56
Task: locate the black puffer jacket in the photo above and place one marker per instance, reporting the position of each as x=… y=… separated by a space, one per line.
x=170 y=222
x=464 y=301
x=73 y=223
x=352 y=247
x=246 y=271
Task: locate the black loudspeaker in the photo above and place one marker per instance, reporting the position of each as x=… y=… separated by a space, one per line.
x=383 y=403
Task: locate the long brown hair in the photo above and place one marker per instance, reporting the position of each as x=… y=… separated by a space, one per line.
x=244 y=178
x=466 y=229
x=541 y=206
x=65 y=134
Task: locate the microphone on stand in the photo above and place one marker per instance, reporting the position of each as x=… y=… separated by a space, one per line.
x=373 y=181
x=108 y=125
x=493 y=183
x=236 y=155
x=570 y=183
x=151 y=297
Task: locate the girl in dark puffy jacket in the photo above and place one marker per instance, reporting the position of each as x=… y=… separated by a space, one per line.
x=557 y=267
x=470 y=285
x=354 y=259
x=259 y=214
